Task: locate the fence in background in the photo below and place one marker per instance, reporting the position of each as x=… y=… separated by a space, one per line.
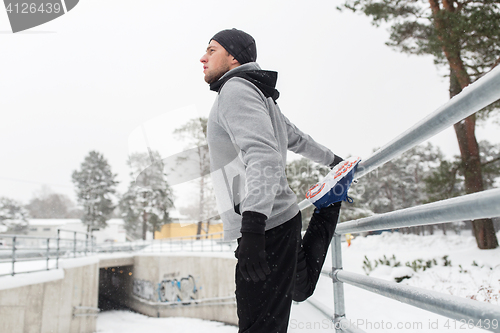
x=28 y=254
x=195 y=243
x=36 y=254
x=479 y=205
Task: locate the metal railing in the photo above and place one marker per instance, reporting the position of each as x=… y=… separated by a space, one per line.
x=47 y=251
x=85 y=311
x=18 y=249
x=195 y=243
x=479 y=205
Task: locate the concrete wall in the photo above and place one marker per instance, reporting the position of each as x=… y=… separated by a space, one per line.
x=45 y=302
x=48 y=307
x=158 y=279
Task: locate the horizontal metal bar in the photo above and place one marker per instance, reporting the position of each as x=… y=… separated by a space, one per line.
x=304 y=204
x=446 y=305
x=199 y=301
x=342 y=324
x=321 y=308
x=27 y=259
x=214 y=303
x=485 y=204
x=27 y=237
x=86 y=308
x=474 y=98
x=348 y=326
x=74 y=231
x=24 y=272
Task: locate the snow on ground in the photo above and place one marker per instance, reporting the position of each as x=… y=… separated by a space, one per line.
x=470 y=273
x=375 y=313
x=129 y=322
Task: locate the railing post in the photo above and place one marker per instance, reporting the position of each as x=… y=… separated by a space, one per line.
x=13 y=255
x=57 y=252
x=74 y=245
x=48 y=252
x=338 y=287
x=86 y=243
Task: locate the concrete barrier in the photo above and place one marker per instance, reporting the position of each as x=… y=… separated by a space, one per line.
x=47 y=302
x=166 y=285
x=157 y=285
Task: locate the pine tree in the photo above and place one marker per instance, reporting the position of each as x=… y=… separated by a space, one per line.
x=463 y=36
x=400 y=183
x=13 y=216
x=448 y=180
x=146 y=204
x=49 y=205
x=95 y=184
x=194 y=132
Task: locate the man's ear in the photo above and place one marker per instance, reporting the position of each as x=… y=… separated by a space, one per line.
x=235 y=62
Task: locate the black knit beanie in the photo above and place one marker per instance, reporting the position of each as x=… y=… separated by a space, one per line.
x=238 y=43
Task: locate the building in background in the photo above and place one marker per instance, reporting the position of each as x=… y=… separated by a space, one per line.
x=183 y=226
x=114 y=232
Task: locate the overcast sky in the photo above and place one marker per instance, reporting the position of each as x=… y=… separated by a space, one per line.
x=108 y=71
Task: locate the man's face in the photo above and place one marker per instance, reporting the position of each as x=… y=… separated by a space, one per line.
x=216 y=62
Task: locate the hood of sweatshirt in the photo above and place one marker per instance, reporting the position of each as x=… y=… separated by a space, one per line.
x=265 y=81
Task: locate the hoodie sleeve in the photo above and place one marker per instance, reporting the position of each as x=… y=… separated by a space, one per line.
x=244 y=116
x=303 y=144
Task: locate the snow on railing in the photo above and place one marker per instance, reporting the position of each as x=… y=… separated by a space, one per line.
x=484 y=204
x=42 y=253
x=46 y=251
x=195 y=243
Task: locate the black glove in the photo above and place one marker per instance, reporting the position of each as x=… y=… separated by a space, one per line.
x=251 y=252
x=336 y=160
x=252 y=257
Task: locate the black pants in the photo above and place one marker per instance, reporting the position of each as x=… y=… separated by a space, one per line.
x=295 y=264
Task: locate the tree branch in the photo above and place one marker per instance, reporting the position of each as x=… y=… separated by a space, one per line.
x=496 y=63
x=492 y=161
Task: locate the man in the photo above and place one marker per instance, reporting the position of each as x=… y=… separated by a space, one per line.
x=248 y=139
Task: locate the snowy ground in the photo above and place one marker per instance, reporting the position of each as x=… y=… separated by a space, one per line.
x=374 y=313
x=473 y=273
x=128 y=322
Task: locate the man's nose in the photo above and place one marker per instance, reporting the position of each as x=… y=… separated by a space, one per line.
x=203 y=59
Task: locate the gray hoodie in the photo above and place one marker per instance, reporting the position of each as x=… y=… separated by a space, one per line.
x=248 y=139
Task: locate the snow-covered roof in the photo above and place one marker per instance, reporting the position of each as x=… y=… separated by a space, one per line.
x=52 y=222
x=174 y=214
x=61 y=222
x=191 y=221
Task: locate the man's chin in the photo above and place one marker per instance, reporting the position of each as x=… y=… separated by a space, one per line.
x=211 y=79
x=214 y=77
x=208 y=79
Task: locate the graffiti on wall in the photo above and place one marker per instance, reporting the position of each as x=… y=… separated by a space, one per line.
x=181 y=290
